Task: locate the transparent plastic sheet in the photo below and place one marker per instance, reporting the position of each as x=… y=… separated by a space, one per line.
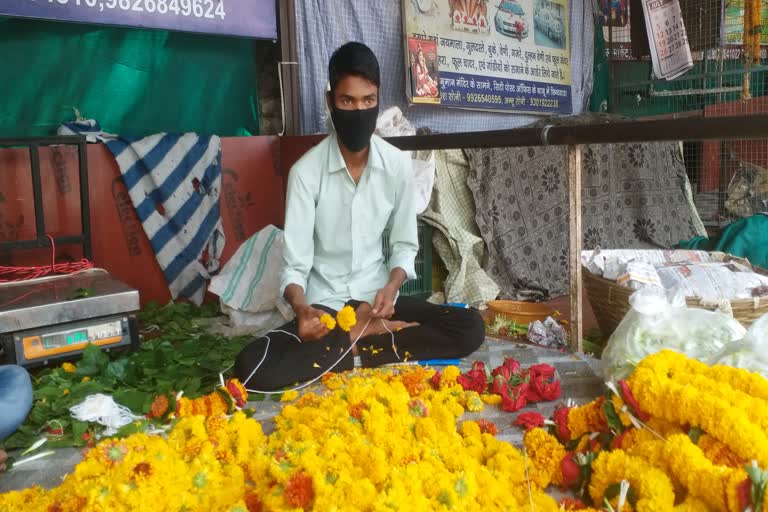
x=750 y=353
x=658 y=321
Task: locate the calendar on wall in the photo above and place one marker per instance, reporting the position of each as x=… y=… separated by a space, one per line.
x=670 y=52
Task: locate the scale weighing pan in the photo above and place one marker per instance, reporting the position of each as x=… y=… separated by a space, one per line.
x=54 y=319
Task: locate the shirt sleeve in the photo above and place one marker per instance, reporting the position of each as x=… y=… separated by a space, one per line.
x=403 y=236
x=298 y=252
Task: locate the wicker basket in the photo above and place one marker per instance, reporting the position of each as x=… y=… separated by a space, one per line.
x=610 y=302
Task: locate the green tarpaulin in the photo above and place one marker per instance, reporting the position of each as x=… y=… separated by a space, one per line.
x=134 y=82
x=746 y=238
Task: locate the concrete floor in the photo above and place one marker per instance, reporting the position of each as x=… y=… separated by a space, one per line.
x=578 y=373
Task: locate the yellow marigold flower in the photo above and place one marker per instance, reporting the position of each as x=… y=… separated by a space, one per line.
x=328 y=321
x=85 y=379
x=68 y=367
x=470 y=429
x=587 y=418
x=332 y=381
x=473 y=402
x=66 y=392
x=719 y=453
x=449 y=376
x=289 y=396
x=653 y=488
x=490 y=399
x=346 y=318
x=545 y=454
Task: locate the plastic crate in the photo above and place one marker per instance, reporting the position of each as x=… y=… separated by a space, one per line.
x=422 y=285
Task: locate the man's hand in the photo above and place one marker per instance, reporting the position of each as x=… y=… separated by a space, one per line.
x=310 y=327
x=384 y=303
x=3 y=458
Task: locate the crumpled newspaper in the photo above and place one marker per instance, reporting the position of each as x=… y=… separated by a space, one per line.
x=547 y=334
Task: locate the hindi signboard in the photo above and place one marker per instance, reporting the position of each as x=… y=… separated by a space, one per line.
x=246 y=18
x=503 y=55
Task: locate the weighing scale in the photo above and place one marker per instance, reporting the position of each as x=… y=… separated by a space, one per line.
x=54 y=318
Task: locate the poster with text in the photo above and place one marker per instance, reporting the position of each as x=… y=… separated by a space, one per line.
x=614 y=15
x=503 y=55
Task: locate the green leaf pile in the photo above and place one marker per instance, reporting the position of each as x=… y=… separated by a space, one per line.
x=182 y=356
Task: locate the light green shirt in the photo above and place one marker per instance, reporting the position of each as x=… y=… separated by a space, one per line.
x=334 y=228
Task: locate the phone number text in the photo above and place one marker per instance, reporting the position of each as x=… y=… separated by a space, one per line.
x=210 y=9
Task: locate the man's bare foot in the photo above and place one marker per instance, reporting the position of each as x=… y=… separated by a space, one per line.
x=3 y=458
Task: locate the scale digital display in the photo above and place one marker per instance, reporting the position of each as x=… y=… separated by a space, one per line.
x=81 y=335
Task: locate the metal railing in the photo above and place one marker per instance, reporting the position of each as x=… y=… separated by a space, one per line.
x=33 y=145
x=574 y=137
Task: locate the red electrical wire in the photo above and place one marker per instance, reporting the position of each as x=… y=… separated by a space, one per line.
x=12 y=274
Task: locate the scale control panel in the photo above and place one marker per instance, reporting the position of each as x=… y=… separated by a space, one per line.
x=46 y=344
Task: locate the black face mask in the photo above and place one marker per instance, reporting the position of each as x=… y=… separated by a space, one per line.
x=355 y=127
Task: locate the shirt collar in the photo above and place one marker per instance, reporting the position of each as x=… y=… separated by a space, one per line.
x=336 y=161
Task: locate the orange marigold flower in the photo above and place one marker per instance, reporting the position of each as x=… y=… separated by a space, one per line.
x=253 y=502
x=299 y=492
x=487 y=427
x=356 y=411
x=159 y=407
x=142 y=469
x=414 y=380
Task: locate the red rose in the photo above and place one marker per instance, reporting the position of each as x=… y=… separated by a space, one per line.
x=529 y=420
x=543 y=390
x=631 y=401
x=512 y=365
x=498 y=385
x=744 y=493
x=618 y=440
x=542 y=370
x=514 y=399
x=560 y=417
x=435 y=380
x=502 y=373
x=475 y=379
x=571 y=470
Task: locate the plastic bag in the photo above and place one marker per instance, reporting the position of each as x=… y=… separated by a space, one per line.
x=548 y=333
x=657 y=322
x=749 y=353
x=250 y=281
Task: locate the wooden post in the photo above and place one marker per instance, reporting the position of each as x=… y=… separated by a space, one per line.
x=574 y=246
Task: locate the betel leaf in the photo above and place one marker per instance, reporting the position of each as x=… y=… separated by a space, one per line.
x=611 y=417
x=695 y=434
x=78 y=429
x=117 y=369
x=133 y=399
x=94 y=361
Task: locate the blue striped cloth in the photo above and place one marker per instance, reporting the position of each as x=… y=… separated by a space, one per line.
x=174 y=182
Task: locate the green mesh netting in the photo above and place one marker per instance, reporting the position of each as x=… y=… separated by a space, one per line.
x=134 y=82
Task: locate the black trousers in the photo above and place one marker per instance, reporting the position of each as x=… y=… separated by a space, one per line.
x=443 y=332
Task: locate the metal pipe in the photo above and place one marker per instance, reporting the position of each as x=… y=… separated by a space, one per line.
x=37 y=190
x=85 y=202
x=716 y=128
x=42 y=242
x=42 y=141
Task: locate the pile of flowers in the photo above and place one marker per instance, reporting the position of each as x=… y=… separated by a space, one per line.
x=677 y=435
x=377 y=440
x=512 y=385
